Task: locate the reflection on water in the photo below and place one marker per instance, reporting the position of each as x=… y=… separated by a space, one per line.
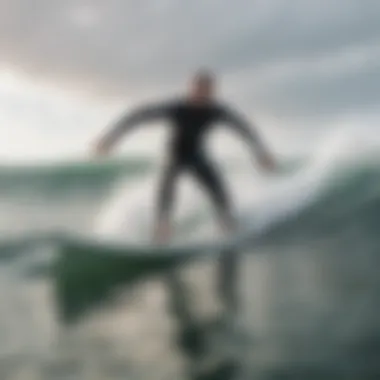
x=303 y=315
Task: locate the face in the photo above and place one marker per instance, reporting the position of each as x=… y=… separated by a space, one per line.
x=202 y=89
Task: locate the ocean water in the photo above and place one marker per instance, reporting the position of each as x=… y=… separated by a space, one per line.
x=80 y=300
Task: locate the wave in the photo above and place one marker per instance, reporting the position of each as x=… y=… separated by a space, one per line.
x=344 y=214
x=351 y=201
x=53 y=180
x=330 y=200
x=309 y=244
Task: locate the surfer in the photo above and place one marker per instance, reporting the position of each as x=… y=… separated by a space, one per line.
x=191 y=118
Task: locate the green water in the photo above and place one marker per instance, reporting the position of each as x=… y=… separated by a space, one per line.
x=308 y=284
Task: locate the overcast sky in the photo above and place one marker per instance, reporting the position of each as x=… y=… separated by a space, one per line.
x=69 y=62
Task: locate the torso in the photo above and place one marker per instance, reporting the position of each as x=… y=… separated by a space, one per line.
x=190 y=124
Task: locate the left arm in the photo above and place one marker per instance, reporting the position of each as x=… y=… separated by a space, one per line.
x=239 y=124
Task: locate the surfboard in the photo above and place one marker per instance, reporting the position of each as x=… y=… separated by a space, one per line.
x=88 y=269
x=121 y=248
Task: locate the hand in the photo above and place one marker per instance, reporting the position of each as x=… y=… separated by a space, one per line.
x=267 y=163
x=101 y=148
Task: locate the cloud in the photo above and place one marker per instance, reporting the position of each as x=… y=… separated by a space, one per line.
x=278 y=52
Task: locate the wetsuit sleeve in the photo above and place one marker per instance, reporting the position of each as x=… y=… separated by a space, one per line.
x=129 y=121
x=236 y=121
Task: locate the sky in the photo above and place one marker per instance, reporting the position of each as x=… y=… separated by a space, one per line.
x=68 y=68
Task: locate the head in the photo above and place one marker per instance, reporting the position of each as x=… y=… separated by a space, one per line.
x=202 y=86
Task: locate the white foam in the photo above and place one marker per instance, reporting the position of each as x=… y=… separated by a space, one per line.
x=261 y=200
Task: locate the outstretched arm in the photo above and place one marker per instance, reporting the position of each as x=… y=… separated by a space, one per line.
x=239 y=124
x=127 y=122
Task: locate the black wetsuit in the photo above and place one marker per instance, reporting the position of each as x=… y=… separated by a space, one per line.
x=190 y=124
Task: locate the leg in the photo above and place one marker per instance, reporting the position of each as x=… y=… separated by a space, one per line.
x=209 y=178
x=166 y=197
x=190 y=337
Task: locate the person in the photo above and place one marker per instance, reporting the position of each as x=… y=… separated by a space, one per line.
x=191 y=118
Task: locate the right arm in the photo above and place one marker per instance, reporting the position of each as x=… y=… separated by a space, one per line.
x=249 y=134
x=128 y=122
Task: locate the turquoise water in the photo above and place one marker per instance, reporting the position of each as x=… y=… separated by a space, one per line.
x=308 y=284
